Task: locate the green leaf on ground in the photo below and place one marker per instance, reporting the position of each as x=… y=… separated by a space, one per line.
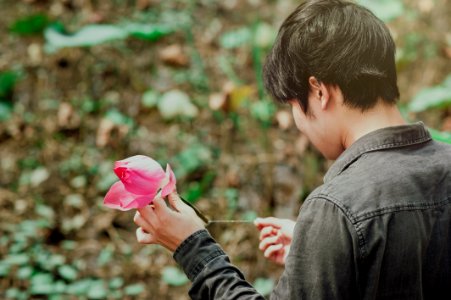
x=236 y=38
x=80 y=287
x=264 y=285
x=440 y=136
x=174 y=276
x=386 y=10
x=105 y=256
x=30 y=25
x=264 y=35
x=8 y=80
x=42 y=284
x=433 y=97
x=88 y=36
x=134 y=289
x=4 y=269
x=263 y=111
x=17 y=259
x=194 y=156
x=116 y=282
x=24 y=272
x=68 y=272
x=97 y=290
x=96 y=34
x=150 y=32
x=118 y=118
x=5 y=111
x=150 y=98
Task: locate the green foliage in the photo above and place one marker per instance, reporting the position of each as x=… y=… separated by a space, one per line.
x=249 y=215
x=262 y=35
x=97 y=289
x=440 y=136
x=263 y=111
x=173 y=276
x=386 y=10
x=37 y=254
x=118 y=118
x=414 y=46
x=68 y=272
x=434 y=97
x=8 y=80
x=196 y=189
x=192 y=158
x=149 y=32
x=92 y=35
x=231 y=195
x=30 y=25
x=264 y=285
x=236 y=38
x=134 y=289
x=105 y=256
x=150 y=98
x=5 y=111
x=48 y=274
x=116 y=283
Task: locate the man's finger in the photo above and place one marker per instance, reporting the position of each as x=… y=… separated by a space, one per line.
x=267 y=242
x=141 y=222
x=144 y=237
x=272 y=250
x=148 y=214
x=160 y=205
x=267 y=231
x=175 y=201
x=270 y=221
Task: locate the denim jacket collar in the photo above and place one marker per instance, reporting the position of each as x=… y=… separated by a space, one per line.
x=384 y=138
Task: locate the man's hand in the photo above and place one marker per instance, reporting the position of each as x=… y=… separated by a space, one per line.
x=166 y=225
x=275 y=237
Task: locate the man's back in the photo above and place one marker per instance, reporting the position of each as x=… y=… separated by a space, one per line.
x=391 y=193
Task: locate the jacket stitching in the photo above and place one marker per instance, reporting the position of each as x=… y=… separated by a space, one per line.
x=348 y=215
x=399 y=208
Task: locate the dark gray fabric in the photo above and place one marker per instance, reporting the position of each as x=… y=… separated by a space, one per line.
x=378 y=228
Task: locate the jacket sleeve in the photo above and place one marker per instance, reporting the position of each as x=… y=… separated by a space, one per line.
x=322 y=260
x=210 y=270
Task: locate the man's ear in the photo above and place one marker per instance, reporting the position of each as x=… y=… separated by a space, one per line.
x=320 y=91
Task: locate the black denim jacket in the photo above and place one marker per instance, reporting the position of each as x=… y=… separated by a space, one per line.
x=378 y=228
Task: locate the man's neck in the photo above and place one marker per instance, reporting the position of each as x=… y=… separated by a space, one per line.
x=360 y=123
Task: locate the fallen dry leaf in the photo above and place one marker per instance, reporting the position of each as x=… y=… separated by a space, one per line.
x=447 y=124
x=301 y=144
x=67 y=118
x=231 y=97
x=106 y=126
x=174 y=55
x=217 y=101
x=284 y=119
x=142 y=4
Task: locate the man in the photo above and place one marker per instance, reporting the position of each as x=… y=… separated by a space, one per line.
x=379 y=227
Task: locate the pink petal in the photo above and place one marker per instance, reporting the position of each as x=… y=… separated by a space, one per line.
x=140 y=174
x=119 y=198
x=170 y=187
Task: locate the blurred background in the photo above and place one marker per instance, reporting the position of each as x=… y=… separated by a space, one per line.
x=84 y=83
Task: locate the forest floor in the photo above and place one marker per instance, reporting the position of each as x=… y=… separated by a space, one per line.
x=77 y=110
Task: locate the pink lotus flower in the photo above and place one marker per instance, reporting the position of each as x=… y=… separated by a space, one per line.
x=141 y=178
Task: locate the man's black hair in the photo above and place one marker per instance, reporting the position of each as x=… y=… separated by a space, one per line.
x=339 y=43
